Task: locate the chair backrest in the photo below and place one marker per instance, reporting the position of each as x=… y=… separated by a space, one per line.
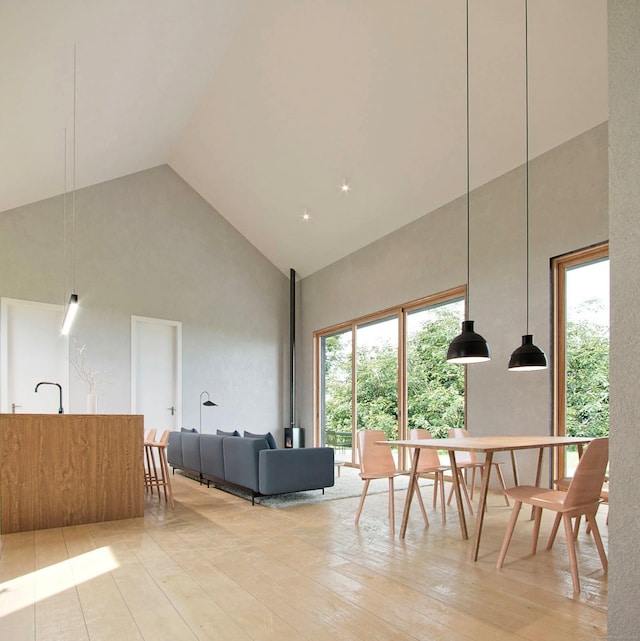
x=428 y=458
x=151 y=435
x=164 y=438
x=586 y=485
x=462 y=457
x=374 y=459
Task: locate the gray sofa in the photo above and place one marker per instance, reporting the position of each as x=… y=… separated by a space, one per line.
x=250 y=464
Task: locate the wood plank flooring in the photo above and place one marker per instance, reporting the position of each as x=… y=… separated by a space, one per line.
x=218 y=568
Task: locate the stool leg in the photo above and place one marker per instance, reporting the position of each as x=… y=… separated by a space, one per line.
x=147 y=474
x=166 y=477
x=154 y=473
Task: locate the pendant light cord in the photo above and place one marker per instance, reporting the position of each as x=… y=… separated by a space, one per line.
x=526 y=93
x=73 y=201
x=64 y=222
x=468 y=174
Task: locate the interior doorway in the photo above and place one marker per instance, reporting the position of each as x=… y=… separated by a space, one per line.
x=156 y=372
x=32 y=350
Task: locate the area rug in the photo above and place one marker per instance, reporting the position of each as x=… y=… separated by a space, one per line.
x=347 y=485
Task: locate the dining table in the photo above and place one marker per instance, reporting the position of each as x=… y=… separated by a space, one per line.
x=488 y=445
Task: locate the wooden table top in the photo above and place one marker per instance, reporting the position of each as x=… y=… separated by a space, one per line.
x=490 y=443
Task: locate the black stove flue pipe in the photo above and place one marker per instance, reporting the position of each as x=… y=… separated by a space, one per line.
x=292 y=347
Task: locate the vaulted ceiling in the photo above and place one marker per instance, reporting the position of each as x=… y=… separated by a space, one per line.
x=266 y=107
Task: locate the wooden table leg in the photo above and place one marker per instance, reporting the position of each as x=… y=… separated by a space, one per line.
x=413 y=482
x=482 y=506
x=538 y=477
x=456 y=487
x=514 y=467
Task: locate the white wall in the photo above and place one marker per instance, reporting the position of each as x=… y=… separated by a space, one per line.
x=624 y=159
x=568 y=211
x=148 y=245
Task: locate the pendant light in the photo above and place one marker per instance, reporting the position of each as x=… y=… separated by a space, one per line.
x=528 y=357
x=468 y=346
x=72 y=305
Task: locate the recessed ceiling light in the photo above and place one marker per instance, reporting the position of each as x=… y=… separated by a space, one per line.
x=306 y=216
x=345 y=187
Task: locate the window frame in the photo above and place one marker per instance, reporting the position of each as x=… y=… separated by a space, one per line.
x=400 y=312
x=560 y=265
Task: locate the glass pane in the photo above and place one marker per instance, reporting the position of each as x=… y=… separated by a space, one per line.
x=435 y=388
x=335 y=393
x=587 y=352
x=377 y=376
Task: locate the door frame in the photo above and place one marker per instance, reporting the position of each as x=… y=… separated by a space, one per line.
x=400 y=312
x=136 y=321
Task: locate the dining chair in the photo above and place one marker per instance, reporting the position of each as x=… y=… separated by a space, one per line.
x=376 y=462
x=430 y=467
x=581 y=498
x=469 y=461
x=563 y=484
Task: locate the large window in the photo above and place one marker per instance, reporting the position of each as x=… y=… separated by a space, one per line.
x=336 y=390
x=376 y=374
x=581 y=346
x=435 y=389
x=389 y=372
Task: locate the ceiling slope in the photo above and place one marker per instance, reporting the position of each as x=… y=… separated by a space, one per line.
x=265 y=108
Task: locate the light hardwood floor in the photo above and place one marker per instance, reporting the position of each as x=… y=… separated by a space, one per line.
x=217 y=568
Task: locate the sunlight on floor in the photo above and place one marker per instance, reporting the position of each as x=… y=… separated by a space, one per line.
x=28 y=589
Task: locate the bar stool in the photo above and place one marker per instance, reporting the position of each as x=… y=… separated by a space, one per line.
x=159 y=476
x=150 y=462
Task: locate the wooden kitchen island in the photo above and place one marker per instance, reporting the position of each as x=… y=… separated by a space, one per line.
x=68 y=469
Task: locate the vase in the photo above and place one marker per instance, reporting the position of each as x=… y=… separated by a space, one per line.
x=92 y=404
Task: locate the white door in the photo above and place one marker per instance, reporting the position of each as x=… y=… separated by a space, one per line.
x=156 y=372
x=32 y=350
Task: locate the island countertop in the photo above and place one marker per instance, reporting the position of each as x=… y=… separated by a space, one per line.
x=68 y=469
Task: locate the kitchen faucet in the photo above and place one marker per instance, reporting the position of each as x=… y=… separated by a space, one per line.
x=60 y=410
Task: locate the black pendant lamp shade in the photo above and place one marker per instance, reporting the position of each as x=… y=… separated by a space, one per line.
x=468 y=346
x=528 y=357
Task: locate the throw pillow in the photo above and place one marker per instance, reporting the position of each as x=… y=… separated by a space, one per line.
x=268 y=436
x=223 y=433
x=185 y=429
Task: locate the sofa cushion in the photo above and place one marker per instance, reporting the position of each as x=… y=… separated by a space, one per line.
x=267 y=437
x=295 y=469
x=223 y=433
x=212 y=457
x=241 y=460
x=186 y=429
x=174 y=449
x=191 y=451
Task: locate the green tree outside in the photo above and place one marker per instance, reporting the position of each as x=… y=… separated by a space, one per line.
x=435 y=389
x=587 y=375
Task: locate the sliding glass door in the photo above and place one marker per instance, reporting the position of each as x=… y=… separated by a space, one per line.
x=336 y=392
x=388 y=372
x=435 y=389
